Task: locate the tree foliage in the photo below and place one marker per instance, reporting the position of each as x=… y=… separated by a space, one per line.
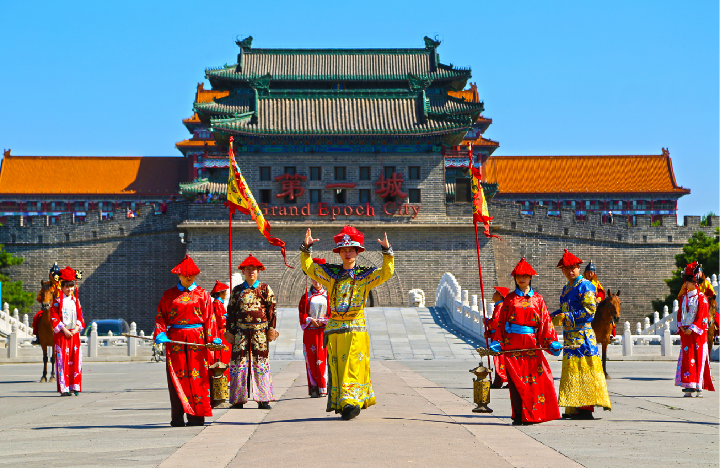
x=701 y=248
x=12 y=291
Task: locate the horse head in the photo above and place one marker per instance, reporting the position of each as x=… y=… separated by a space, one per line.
x=613 y=305
x=45 y=296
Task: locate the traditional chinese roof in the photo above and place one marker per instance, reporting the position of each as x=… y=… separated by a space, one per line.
x=583 y=174
x=91 y=175
x=470 y=95
x=346 y=65
x=367 y=112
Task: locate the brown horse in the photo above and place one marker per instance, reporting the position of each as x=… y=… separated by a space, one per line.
x=45 y=334
x=606 y=317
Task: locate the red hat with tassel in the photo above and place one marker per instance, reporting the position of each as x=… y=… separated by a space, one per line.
x=523 y=268
x=186 y=268
x=68 y=274
x=568 y=259
x=251 y=262
x=503 y=291
x=219 y=287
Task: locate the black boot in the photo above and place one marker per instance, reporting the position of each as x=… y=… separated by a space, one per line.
x=264 y=405
x=195 y=420
x=177 y=423
x=350 y=411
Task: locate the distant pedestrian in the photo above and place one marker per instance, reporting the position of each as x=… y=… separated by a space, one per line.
x=313 y=308
x=219 y=294
x=67 y=322
x=693 y=369
x=524 y=324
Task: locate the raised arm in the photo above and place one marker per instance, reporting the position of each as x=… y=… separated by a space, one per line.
x=388 y=267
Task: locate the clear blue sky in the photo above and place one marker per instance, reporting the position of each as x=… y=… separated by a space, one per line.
x=557 y=77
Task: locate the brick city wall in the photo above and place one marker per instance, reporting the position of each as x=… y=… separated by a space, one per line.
x=127 y=261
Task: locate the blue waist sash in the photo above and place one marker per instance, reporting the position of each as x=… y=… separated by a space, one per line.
x=519 y=329
x=193 y=325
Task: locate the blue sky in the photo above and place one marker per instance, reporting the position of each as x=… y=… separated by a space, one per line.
x=557 y=77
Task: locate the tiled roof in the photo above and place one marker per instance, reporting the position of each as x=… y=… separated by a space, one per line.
x=583 y=174
x=191 y=143
x=91 y=174
x=346 y=113
x=337 y=65
x=454 y=105
x=202 y=186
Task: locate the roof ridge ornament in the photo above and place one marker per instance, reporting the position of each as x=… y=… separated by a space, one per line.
x=261 y=83
x=418 y=83
x=245 y=44
x=666 y=152
x=430 y=43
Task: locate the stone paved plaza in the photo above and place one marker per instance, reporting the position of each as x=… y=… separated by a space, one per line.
x=423 y=416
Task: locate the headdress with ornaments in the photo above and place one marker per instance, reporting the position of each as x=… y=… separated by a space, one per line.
x=251 y=262
x=502 y=291
x=590 y=267
x=349 y=237
x=523 y=268
x=219 y=287
x=68 y=274
x=691 y=271
x=568 y=259
x=186 y=268
x=54 y=270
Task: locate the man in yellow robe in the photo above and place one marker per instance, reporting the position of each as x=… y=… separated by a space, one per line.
x=346 y=337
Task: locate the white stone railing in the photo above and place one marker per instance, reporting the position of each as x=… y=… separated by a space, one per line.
x=462 y=307
x=97 y=346
x=7 y=321
x=665 y=339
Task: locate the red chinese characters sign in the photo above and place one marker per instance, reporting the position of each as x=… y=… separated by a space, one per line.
x=291 y=185
x=391 y=187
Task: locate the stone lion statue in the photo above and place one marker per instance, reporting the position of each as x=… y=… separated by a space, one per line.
x=416 y=298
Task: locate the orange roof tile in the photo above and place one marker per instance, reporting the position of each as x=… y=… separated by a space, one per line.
x=91 y=174
x=480 y=141
x=470 y=95
x=583 y=174
x=193 y=119
x=207 y=95
x=195 y=143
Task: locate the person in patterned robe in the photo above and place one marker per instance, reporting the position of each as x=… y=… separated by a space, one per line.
x=185 y=314
x=218 y=294
x=524 y=323
x=313 y=310
x=67 y=322
x=693 y=368
x=582 y=384
x=346 y=336
x=491 y=325
x=251 y=322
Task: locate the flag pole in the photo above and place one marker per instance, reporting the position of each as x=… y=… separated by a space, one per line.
x=482 y=290
x=230 y=246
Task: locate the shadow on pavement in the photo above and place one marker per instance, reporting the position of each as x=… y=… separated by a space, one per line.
x=442 y=320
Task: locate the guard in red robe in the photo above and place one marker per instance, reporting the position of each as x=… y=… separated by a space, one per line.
x=524 y=323
x=491 y=326
x=693 y=369
x=67 y=321
x=313 y=308
x=186 y=314
x=218 y=294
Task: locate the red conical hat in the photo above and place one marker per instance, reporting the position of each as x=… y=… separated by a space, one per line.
x=253 y=262
x=691 y=269
x=503 y=291
x=219 y=287
x=523 y=268
x=186 y=268
x=349 y=237
x=568 y=259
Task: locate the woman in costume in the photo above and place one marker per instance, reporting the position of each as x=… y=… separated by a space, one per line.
x=218 y=294
x=347 y=339
x=67 y=321
x=693 y=369
x=491 y=325
x=250 y=327
x=313 y=308
x=185 y=314
x=524 y=323
x=582 y=384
